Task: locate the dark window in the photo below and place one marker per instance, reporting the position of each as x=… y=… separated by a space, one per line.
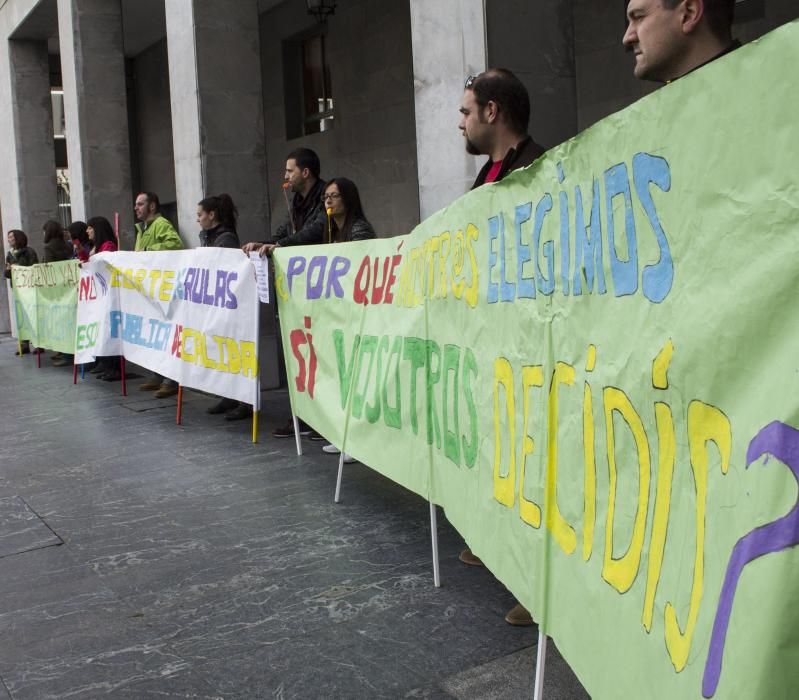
x=306 y=84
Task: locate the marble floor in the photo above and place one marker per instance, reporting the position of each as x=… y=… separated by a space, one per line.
x=141 y=559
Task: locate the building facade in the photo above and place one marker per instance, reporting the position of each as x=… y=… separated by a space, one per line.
x=102 y=99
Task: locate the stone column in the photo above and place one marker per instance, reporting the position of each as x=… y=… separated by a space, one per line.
x=33 y=131
x=448 y=38
x=95 y=109
x=217 y=126
x=217 y=110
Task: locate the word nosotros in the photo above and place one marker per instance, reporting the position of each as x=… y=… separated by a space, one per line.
x=192 y=284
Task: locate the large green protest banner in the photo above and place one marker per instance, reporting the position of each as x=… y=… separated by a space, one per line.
x=46 y=304
x=592 y=366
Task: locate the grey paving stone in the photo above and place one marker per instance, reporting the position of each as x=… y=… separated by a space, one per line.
x=196 y=564
x=21 y=529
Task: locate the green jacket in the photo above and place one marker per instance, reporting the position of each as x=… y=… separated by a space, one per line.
x=159 y=234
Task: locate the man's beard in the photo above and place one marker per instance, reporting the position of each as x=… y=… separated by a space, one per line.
x=471 y=149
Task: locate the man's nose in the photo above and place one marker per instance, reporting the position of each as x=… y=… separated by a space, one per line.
x=629 y=37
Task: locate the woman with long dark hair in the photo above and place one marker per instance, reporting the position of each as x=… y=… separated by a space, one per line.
x=346 y=220
x=19 y=253
x=80 y=241
x=101 y=235
x=217 y=218
x=56 y=247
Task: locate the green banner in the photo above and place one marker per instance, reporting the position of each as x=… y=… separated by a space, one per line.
x=592 y=366
x=46 y=304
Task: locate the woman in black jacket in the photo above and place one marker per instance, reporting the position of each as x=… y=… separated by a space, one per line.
x=19 y=254
x=56 y=247
x=217 y=218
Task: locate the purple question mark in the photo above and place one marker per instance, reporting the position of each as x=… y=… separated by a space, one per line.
x=781 y=441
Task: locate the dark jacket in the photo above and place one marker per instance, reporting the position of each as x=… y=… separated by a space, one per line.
x=304 y=226
x=525 y=153
x=58 y=249
x=20 y=256
x=361 y=230
x=220 y=236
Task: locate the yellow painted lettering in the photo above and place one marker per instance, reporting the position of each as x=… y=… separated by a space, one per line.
x=530 y=512
x=249 y=359
x=620 y=573
x=504 y=486
x=555 y=522
x=705 y=424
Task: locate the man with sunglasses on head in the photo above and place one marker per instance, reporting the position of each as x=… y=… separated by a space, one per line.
x=495 y=113
x=304 y=225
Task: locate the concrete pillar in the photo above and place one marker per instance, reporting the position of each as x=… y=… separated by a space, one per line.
x=217 y=110
x=33 y=127
x=217 y=126
x=448 y=38
x=95 y=109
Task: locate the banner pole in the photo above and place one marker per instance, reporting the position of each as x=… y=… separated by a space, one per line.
x=297 y=435
x=19 y=346
x=338 y=478
x=179 y=417
x=38 y=358
x=116 y=229
x=254 y=425
x=122 y=372
x=540 y=665
x=434 y=538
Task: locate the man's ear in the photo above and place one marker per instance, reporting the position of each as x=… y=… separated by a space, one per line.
x=306 y=173
x=691 y=15
x=491 y=111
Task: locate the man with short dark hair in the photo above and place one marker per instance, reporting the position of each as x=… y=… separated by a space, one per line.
x=155 y=232
x=671 y=38
x=495 y=113
x=304 y=225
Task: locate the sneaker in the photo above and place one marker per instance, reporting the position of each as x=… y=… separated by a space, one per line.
x=222 y=406
x=287 y=431
x=61 y=362
x=57 y=356
x=241 y=412
x=165 y=391
x=24 y=349
x=150 y=385
x=316 y=437
x=519 y=616
x=467 y=557
x=349 y=459
x=331 y=449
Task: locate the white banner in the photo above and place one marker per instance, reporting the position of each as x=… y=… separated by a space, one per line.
x=189 y=315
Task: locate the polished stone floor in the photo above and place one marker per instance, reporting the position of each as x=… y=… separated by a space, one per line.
x=141 y=559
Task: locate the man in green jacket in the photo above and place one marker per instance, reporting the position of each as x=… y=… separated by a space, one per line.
x=155 y=233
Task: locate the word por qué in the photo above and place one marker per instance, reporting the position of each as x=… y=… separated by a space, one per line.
x=373 y=284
